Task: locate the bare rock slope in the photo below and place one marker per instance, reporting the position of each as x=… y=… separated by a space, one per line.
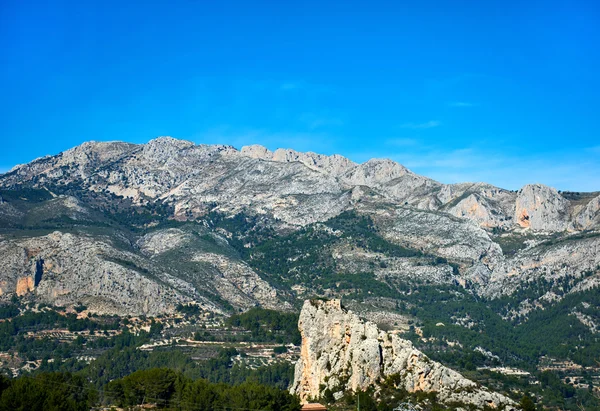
x=166 y=268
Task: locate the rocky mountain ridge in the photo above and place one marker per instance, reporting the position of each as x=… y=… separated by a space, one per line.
x=118 y=196
x=169 y=169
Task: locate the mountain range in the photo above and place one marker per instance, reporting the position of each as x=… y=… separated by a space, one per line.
x=139 y=228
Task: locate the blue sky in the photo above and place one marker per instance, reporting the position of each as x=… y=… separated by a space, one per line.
x=497 y=91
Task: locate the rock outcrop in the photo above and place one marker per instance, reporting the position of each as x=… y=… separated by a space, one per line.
x=485 y=204
x=539 y=207
x=589 y=216
x=24 y=285
x=547 y=260
x=334 y=164
x=342 y=352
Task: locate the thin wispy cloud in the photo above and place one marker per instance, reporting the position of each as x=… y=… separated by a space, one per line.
x=595 y=149
x=314 y=121
x=421 y=126
x=298 y=86
x=290 y=86
x=474 y=164
x=461 y=104
x=402 y=142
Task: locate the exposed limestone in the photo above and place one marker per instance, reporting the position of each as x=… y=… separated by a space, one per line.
x=374 y=172
x=162 y=241
x=78 y=268
x=240 y=285
x=547 y=260
x=589 y=216
x=257 y=151
x=474 y=209
x=334 y=164
x=539 y=207
x=297 y=188
x=445 y=235
x=24 y=285
x=486 y=205
x=229 y=277
x=83 y=269
x=342 y=352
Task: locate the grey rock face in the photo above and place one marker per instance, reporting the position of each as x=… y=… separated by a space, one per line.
x=539 y=207
x=547 y=260
x=485 y=204
x=232 y=279
x=589 y=216
x=65 y=269
x=334 y=164
x=441 y=234
x=340 y=352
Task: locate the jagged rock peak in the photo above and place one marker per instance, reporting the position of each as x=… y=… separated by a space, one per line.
x=374 y=171
x=540 y=207
x=171 y=141
x=257 y=151
x=165 y=146
x=167 y=149
x=377 y=171
x=333 y=164
x=342 y=352
x=91 y=153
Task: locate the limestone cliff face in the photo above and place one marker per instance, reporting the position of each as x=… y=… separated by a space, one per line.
x=589 y=216
x=342 y=352
x=539 y=207
x=550 y=261
x=447 y=236
x=65 y=269
x=24 y=285
x=474 y=208
x=334 y=164
x=483 y=203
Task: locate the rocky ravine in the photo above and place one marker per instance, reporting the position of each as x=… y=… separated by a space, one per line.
x=342 y=352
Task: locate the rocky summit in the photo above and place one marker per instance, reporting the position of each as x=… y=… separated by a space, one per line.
x=341 y=352
x=138 y=229
x=285 y=183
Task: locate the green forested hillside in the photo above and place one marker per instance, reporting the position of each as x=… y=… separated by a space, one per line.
x=159 y=387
